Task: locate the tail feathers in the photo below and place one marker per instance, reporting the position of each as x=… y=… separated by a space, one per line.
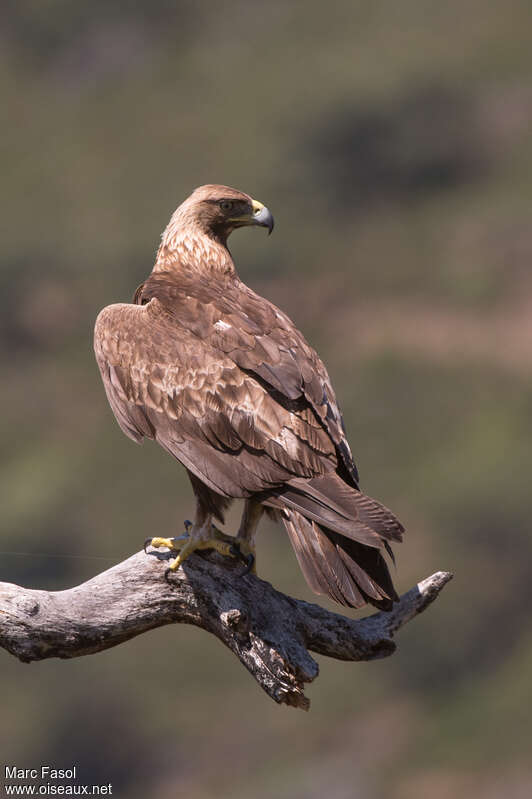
x=349 y=572
x=338 y=506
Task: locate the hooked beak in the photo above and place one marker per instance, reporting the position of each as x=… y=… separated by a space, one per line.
x=260 y=216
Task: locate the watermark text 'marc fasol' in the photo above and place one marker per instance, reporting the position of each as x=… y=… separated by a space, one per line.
x=43 y=772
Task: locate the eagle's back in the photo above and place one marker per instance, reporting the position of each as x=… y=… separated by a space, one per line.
x=225 y=382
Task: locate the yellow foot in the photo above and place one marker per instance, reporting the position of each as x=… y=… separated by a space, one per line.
x=186 y=544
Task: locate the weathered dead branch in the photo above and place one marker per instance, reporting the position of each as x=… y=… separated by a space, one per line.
x=271 y=633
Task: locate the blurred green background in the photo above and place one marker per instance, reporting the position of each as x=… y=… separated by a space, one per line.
x=392 y=143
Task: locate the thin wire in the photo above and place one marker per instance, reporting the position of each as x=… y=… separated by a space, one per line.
x=49 y=555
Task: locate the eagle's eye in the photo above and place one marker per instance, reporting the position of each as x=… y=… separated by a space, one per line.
x=226 y=205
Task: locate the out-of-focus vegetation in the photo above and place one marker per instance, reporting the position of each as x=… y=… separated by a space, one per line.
x=392 y=143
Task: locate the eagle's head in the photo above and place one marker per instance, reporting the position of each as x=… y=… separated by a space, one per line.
x=218 y=210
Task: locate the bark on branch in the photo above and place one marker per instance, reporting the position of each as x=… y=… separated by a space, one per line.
x=271 y=633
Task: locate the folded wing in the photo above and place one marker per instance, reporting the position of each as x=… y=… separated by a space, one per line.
x=227 y=385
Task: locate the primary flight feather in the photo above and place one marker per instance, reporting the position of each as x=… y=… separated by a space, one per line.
x=225 y=382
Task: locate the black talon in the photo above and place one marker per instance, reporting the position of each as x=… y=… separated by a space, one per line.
x=166 y=573
x=147 y=543
x=234 y=549
x=249 y=560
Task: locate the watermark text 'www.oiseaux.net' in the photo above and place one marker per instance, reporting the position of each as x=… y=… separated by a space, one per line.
x=49 y=781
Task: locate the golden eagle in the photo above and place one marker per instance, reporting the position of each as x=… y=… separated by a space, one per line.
x=224 y=381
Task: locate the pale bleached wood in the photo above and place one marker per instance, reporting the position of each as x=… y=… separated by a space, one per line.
x=271 y=633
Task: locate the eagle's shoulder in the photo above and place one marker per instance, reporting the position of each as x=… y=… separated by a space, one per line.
x=124 y=330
